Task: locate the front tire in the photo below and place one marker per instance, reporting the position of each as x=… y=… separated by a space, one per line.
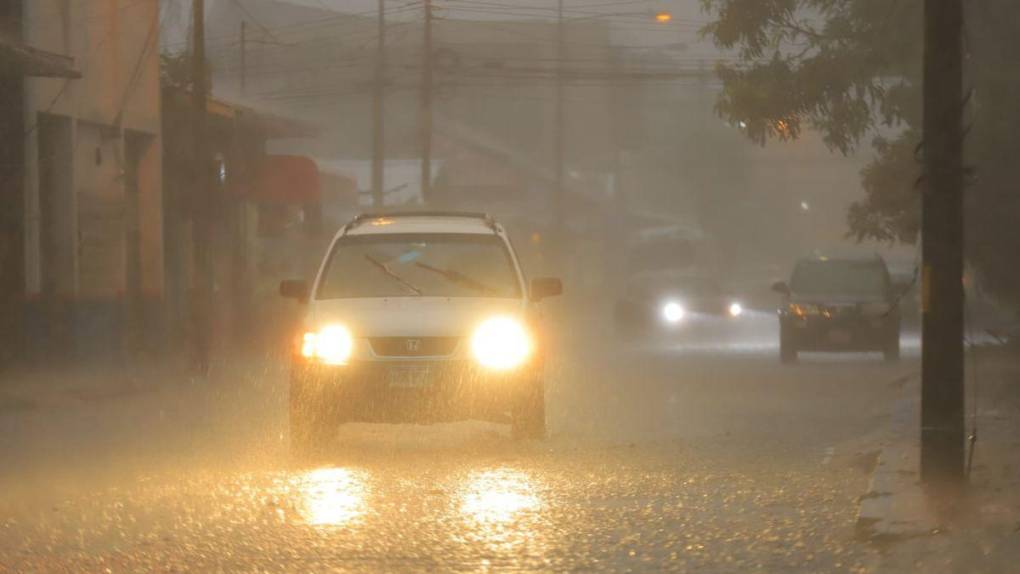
x=527 y=419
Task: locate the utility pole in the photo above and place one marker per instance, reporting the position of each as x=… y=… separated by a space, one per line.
x=558 y=125
x=244 y=54
x=426 y=109
x=202 y=200
x=942 y=408
x=378 y=105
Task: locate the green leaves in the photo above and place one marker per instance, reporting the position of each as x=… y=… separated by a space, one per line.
x=842 y=67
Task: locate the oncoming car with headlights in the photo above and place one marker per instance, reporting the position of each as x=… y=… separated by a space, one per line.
x=668 y=301
x=418 y=317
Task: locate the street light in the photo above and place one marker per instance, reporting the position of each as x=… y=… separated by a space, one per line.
x=660 y=17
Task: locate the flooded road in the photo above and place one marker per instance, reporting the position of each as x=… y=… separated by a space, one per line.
x=671 y=455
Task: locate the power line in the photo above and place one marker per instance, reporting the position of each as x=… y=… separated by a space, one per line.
x=551 y=11
x=329 y=23
x=254 y=20
x=150 y=42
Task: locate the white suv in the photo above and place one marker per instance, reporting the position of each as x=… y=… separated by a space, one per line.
x=418 y=317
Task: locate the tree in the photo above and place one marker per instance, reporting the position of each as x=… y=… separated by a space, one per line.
x=851 y=69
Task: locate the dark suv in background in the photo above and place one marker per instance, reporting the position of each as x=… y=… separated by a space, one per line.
x=839 y=304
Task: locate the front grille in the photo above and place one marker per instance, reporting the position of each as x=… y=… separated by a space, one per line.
x=414 y=346
x=840 y=311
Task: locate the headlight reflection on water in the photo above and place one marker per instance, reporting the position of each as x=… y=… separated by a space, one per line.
x=331 y=496
x=498 y=496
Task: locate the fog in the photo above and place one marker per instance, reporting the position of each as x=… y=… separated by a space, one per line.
x=542 y=285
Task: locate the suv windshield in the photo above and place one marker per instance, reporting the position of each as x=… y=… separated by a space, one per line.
x=664 y=282
x=425 y=265
x=867 y=278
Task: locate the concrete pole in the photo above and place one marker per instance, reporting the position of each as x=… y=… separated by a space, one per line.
x=378 y=109
x=202 y=201
x=426 y=108
x=942 y=396
x=244 y=56
x=559 y=127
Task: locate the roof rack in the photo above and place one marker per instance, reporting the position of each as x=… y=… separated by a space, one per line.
x=489 y=221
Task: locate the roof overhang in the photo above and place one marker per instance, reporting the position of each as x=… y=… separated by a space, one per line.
x=274 y=126
x=28 y=61
x=268 y=123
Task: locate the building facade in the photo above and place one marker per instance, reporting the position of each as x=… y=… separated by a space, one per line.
x=92 y=210
x=17 y=62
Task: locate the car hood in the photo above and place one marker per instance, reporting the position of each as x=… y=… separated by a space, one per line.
x=411 y=316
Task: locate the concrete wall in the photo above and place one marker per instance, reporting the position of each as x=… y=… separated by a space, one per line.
x=82 y=246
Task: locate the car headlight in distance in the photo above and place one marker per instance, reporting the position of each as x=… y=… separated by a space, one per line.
x=331 y=345
x=501 y=343
x=673 y=312
x=736 y=309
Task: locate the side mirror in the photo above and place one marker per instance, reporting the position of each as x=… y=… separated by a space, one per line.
x=295 y=289
x=781 y=287
x=545 y=287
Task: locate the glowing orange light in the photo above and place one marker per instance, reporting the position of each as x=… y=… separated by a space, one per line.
x=498 y=496
x=331 y=496
x=663 y=17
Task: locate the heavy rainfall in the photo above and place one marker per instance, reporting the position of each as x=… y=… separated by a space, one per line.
x=509 y=285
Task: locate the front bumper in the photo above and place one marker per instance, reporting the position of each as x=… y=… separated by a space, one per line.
x=412 y=391
x=857 y=333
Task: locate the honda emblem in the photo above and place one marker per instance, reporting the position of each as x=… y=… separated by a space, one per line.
x=413 y=345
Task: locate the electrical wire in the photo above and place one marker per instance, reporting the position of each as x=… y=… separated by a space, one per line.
x=150 y=42
x=332 y=23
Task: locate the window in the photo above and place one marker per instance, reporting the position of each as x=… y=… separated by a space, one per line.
x=840 y=278
x=413 y=265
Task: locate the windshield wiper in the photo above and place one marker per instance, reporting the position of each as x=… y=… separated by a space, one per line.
x=389 y=273
x=458 y=278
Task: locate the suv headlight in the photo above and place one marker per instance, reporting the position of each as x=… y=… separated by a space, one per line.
x=501 y=343
x=331 y=345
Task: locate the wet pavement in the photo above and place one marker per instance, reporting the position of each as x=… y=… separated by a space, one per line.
x=679 y=454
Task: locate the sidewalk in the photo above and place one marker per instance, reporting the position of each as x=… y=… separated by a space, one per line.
x=35 y=388
x=983 y=535
x=40 y=387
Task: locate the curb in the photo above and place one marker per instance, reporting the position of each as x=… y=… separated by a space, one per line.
x=895 y=506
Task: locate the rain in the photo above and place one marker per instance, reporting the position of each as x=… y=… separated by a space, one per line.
x=509 y=285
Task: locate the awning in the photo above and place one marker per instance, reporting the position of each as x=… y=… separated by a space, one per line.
x=289 y=179
x=28 y=61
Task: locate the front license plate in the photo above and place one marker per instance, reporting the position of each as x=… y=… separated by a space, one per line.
x=840 y=336
x=407 y=377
